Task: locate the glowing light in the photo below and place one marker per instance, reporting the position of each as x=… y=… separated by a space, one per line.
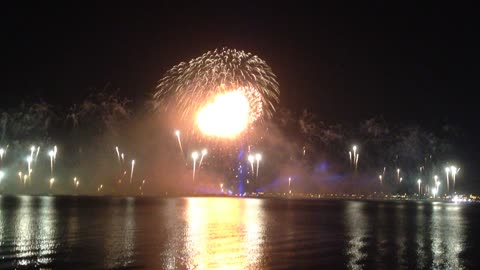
x=2 y=152
x=226 y=116
x=380 y=178
x=52 y=180
x=2 y=174
x=419 y=181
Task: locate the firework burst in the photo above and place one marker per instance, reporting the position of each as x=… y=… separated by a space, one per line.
x=220 y=84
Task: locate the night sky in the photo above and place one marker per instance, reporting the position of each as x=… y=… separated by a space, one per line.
x=408 y=63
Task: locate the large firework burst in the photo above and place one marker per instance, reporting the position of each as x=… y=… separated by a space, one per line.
x=219 y=88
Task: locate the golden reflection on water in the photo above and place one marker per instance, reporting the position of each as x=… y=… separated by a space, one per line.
x=223 y=233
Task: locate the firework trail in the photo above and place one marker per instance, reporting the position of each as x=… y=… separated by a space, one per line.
x=204 y=152
x=194 y=157
x=131 y=172
x=118 y=153
x=177 y=134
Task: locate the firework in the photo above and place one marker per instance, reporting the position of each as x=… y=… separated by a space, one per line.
x=20 y=176
x=177 y=134
x=29 y=163
x=32 y=150
x=54 y=153
x=204 y=152
x=123 y=157
x=419 y=182
x=52 y=180
x=289 y=182
x=380 y=177
x=131 y=172
x=398 y=175
x=2 y=174
x=2 y=153
x=118 y=153
x=36 y=155
x=454 y=171
x=447 y=172
x=251 y=159
x=51 y=154
x=222 y=92
x=258 y=157
x=194 y=157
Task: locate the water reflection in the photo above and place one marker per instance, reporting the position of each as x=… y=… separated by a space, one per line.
x=438 y=236
x=356 y=224
x=35 y=242
x=224 y=233
x=120 y=240
x=447 y=234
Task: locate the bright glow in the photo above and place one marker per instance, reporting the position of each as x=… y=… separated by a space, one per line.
x=447 y=170
x=177 y=133
x=258 y=157
x=29 y=159
x=2 y=174
x=195 y=155
x=251 y=158
x=226 y=116
x=51 y=153
x=354 y=148
x=204 y=152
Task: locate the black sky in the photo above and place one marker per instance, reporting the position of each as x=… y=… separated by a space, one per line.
x=409 y=63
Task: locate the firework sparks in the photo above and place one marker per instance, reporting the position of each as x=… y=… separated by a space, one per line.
x=419 y=182
x=2 y=153
x=222 y=91
x=2 y=174
x=52 y=180
x=398 y=175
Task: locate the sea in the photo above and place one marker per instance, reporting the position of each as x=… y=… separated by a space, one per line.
x=48 y=232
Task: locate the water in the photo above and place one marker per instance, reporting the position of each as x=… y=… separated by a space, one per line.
x=231 y=233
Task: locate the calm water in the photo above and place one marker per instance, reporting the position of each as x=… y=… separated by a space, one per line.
x=230 y=233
